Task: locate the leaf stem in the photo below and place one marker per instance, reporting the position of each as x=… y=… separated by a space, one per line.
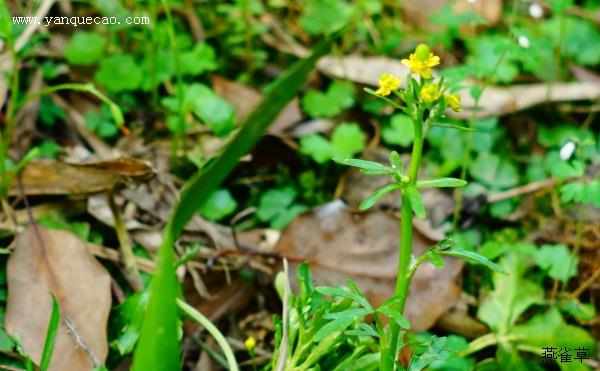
x=213 y=330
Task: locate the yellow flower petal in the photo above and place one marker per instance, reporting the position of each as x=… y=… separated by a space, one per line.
x=387 y=84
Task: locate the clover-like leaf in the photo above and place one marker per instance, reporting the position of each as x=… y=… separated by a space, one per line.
x=416 y=201
x=378 y=194
x=441 y=183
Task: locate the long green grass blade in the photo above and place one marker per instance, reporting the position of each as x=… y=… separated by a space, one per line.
x=158 y=347
x=50 y=336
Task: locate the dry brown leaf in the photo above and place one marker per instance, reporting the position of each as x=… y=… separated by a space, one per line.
x=245 y=99
x=54 y=262
x=60 y=178
x=364 y=246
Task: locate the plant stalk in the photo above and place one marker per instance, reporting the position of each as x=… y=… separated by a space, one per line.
x=388 y=352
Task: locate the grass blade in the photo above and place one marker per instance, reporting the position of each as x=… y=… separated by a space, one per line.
x=50 y=336
x=158 y=347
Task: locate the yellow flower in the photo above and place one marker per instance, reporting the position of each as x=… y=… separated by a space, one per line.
x=421 y=61
x=430 y=92
x=387 y=84
x=453 y=101
x=250 y=343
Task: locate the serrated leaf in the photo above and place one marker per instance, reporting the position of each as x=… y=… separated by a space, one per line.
x=416 y=202
x=377 y=195
x=213 y=110
x=218 y=205
x=441 y=183
x=473 y=257
x=557 y=261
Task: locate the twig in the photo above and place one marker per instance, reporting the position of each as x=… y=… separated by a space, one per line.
x=26 y=35
x=586 y=283
x=131 y=271
x=81 y=341
x=283 y=347
x=518 y=191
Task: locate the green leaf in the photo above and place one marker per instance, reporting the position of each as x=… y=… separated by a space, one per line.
x=441 y=183
x=218 y=205
x=325 y=16
x=512 y=295
x=549 y=329
x=276 y=206
x=352 y=313
x=557 y=261
x=494 y=171
x=213 y=110
x=317 y=147
x=560 y=168
x=434 y=351
x=416 y=202
x=158 y=347
x=362 y=299
x=393 y=314
x=363 y=329
x=336 y=325
x=400 y=131
x=367 y=167
x=474 y=258
x=577 y=309
x=198 y=60
x=339 y=96
x=347 y=140
x=338 y=292
x=377 y=195
x=50 y=336
x=119 y=72
x=84 y=48
x=126 y=321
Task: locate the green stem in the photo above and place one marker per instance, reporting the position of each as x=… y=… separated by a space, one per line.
x=213 y=330
x=389 y=350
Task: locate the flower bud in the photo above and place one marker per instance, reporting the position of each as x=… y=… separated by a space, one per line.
x=422 y=52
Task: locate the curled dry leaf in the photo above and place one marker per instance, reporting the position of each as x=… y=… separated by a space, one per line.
x=61 y=178
x=54 y=262
x=364 y=247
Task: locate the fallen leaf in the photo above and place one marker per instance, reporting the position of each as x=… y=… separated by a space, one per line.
x=55 y=262
x=244 y=99
x=364 y=246
x=61 y=178
x=490 y=10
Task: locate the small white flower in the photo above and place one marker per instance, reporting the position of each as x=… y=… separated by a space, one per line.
x=536 y=11
x=567 y=151
x=472 y=1
x=524 y=42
